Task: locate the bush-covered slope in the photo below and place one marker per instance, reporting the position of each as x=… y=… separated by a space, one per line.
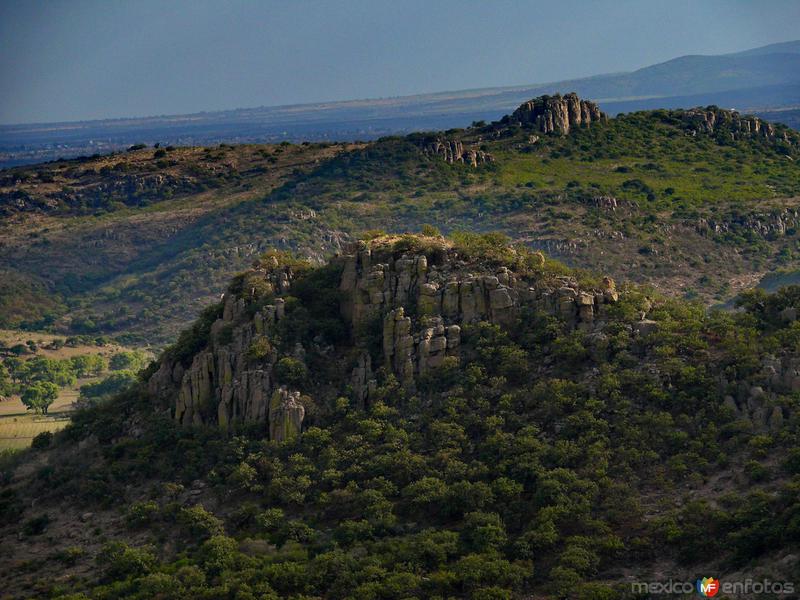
x=470 y=421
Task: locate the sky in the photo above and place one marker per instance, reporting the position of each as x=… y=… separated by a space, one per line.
x=92 y=59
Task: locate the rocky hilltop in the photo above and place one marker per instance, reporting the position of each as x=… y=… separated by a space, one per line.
x=426 y=417
x=418 y=298
x=412 y=296
x=557 y=113
x=545 y=114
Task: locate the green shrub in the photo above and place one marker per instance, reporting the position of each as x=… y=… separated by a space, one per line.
x=42 y=440
x=291 y=371
x=198 y=522
x=122 y=561
x=142 y=513
x=36 y=525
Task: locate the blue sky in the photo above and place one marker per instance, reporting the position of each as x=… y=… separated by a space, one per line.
x=88 y=59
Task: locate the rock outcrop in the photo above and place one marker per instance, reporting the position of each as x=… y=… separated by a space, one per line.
x=767 y=225
x=286 y=413
x=409 y=304
x=712 y=120
x=418 y=300
x=453 y=151
x=232 y=379
x=422 y=300
x=130 y=189
x=755 y=399
x=557 y=113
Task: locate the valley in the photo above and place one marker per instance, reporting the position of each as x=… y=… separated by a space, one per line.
x=652 y=197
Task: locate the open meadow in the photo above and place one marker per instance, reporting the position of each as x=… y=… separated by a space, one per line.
x=19 y=424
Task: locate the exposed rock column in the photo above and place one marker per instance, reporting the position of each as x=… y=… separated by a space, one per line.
x=286 y=414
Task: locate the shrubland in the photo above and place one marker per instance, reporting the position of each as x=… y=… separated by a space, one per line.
x=543 y=459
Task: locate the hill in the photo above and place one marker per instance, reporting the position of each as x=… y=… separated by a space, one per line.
x=761 y=80
x=792 y=47
x=424 y=417
x=698 y=203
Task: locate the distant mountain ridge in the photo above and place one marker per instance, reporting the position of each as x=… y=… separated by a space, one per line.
x=792 y=47
x=765 y=81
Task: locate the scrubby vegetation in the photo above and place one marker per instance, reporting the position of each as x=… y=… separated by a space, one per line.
x=648 y=158
x=545 y=461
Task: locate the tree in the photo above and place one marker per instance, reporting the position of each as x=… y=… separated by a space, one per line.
x=111 y=385
x=39 y=396
x=6 y=385
x=291 y=370
x=41 y=369
x=86 y=365
x=128 y=361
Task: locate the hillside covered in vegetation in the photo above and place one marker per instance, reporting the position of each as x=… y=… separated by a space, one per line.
x=698 y=203
x=426 y=417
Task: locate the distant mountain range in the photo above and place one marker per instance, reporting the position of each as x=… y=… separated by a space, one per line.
x=764 y=81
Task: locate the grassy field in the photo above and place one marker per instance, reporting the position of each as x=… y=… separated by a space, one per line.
x=18 y=426
x=17 y=432
x=11 y=337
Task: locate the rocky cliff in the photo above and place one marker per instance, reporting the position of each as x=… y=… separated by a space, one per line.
x=423 y=301
x=418 y=299
x=232 y=377
x=556 y=113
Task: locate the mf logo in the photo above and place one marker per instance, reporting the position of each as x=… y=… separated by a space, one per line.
x=707 y=587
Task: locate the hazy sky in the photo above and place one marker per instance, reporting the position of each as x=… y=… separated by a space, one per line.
x=89 y=59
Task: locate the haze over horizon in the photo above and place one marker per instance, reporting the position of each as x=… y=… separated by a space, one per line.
x=89 y=60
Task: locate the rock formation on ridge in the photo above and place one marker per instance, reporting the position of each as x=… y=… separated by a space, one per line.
x=420 y=299
x=556 y=113
x=711 y=120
